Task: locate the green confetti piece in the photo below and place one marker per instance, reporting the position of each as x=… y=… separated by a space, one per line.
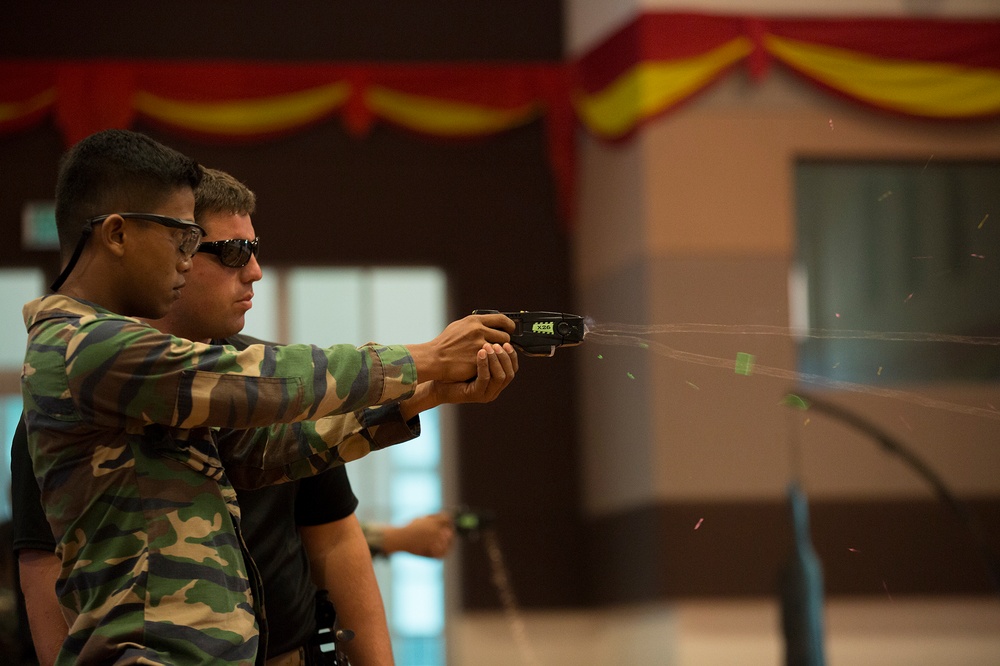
x=467 y=521
x=600 y=356
x=630 y=375
x=643 y=345
x=798 y=402
x=744 y=363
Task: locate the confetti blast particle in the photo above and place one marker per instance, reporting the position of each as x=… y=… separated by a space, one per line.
x=744 y=363
x=798 y=402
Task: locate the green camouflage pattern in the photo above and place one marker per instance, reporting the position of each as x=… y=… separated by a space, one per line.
x=123 y=430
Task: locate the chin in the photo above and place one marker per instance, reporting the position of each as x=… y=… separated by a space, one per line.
x=150 y=312
x=229 y=331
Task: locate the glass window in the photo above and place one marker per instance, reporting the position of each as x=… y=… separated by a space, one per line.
x=899 y=247
x=263 y=320
x=20 y=285
x=410 y=304
x=10 y=415
x=329 y=305
x=392 y=306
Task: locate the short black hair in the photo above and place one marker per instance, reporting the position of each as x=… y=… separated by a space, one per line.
x=116 y=171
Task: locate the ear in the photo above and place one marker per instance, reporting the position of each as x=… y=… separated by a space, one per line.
x=111 y=234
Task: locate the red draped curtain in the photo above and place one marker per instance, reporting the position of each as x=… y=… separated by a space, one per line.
x=946 y=70
x=254 y=101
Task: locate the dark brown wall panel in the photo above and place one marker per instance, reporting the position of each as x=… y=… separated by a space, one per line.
x=867 y=548
x=297 y=30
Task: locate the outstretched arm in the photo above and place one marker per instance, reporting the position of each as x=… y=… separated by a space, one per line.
x=427 y=536
x=347 y=437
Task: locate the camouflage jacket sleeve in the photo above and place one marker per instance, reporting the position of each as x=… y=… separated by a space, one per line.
x=143 y=377
x=250 y=465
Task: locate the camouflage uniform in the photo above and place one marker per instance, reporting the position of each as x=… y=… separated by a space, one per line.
x=121 y=429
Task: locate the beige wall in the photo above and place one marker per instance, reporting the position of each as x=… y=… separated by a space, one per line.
x=692 y=221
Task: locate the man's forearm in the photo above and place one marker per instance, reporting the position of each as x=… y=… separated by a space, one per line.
x=423 y=398
x=427 y=536
x=341 y=564
x=39 y=570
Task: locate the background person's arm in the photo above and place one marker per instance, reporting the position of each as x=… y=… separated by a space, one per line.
x=427 y=536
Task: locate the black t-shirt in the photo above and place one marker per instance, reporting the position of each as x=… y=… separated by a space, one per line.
x=269 y=519
x=31 y=529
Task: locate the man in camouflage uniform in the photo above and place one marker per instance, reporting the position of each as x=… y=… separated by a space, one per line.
x=213 y=306
x=121 y=419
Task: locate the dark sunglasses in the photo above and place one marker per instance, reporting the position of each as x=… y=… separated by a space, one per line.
x=235 y=252
x=188 y=244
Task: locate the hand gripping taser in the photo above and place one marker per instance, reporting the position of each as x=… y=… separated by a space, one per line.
x=539 y=333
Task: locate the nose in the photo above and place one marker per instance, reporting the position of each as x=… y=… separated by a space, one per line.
x=185 y=263
x=252 y=271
